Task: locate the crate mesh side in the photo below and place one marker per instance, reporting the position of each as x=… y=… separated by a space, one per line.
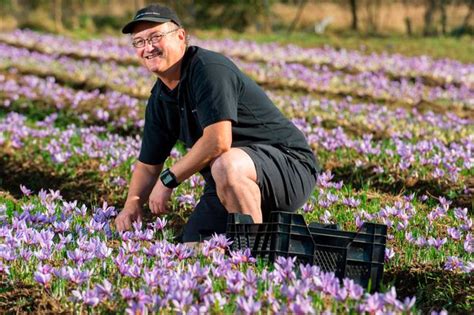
x=358 y=271
x=329 y=260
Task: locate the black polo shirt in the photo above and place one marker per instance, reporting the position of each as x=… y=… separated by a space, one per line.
x=213 y=89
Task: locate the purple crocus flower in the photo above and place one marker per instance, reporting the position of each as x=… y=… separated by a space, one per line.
x=284 y=268
x=408 y=303
x=181 y=251
x=43 y=254
x=199 y=309
x=453 y=263
x=301 y=305
x=454 y=233
x=135 y=308
x=409 y=237
x=133 y=271
x=324 y=203
x=127 y=294
x=103 y=251
x=308 y=207
x=436 y=243
x=4 y=269
x=215 y=299
x=181 y=300
x=152 y=277
x=248 y=305
x=325 y=218
x=351 y=202
x=389 y=254
x=43 y=278
x=242 y=257
x=469 y=267
x=88 y=297
x=159 y=224
x=77 y=256
x=469 y=243
x=187 y=200
x=420 y=241
x=77 y=276
x=467 y=226
x=374 y=303
x=25 y=190
x=390 y=297
x=460 y=214
x=354 y=290
x=234 y=282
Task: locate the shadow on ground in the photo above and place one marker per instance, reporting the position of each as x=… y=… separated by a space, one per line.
x=20 y=298
x=435 y=289
x=359 y=177
x=36 y=176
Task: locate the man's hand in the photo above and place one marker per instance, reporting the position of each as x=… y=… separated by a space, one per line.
x=159 y=198
x=127 y=216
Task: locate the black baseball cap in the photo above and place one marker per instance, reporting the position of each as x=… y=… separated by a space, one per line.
x=152 y=13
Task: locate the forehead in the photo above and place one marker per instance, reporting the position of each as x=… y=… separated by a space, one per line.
x=144 y=28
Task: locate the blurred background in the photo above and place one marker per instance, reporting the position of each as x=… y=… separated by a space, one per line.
x=440 y=28
x=373 y=17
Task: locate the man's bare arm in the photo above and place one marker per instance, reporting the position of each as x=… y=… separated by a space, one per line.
x=216 y=139
x=143 y=179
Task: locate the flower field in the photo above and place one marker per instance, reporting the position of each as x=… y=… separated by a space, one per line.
x=394 y=134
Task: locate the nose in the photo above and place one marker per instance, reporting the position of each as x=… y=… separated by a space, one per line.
x=149 y=46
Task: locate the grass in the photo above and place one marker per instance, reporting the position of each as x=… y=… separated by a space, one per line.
x=461 y=49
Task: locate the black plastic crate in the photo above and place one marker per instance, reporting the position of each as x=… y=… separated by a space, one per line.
x=285 y=234
x=356 y=255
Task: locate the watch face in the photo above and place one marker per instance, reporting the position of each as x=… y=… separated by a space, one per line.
x=168 y=178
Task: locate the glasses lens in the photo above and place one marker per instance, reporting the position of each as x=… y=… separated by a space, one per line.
x=138 y=43
x=155 y=39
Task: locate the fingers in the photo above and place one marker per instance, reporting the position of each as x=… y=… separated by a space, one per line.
x=158 y=207
x=123 y=222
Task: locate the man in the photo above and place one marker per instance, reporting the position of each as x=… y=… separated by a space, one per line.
x=253 y=159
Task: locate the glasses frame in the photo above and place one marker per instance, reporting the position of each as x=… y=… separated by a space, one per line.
x=153 y=39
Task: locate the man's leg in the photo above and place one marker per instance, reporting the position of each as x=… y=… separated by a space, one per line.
x=208 y=217
x=236 y=183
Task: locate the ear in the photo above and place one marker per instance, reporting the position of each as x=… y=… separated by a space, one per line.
x=181 y=34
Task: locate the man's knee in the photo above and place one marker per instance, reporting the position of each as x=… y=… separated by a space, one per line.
x=224 y=170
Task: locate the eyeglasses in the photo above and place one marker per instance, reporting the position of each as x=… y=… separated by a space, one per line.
x=154 y=39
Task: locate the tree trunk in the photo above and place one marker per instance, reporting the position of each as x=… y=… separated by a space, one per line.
x=373 y=11
x=408 y=25
x=267 y=21
x=444 y=16
x=353 y=5
x=58 y=15
x=469 y=14
x=297 y=17
x=430 y=10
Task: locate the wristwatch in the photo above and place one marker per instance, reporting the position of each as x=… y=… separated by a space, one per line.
x=169 y=179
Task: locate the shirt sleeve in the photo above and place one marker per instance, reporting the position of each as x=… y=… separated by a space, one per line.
x=157 y=141
x=216 y=90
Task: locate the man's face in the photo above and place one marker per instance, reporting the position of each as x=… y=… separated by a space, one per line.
x=159 y=56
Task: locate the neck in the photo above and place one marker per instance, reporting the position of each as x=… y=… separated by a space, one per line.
x=171 y=77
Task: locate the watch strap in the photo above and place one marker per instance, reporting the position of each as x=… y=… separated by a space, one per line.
x=169 y=179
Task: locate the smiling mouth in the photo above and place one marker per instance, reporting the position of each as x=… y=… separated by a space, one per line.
x=153 y=55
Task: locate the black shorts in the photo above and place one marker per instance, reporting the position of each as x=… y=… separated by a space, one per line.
x=285 y=184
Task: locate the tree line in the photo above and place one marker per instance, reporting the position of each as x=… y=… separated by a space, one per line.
x=234 y=14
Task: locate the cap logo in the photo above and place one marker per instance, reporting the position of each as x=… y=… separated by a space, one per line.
x=146 y=13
